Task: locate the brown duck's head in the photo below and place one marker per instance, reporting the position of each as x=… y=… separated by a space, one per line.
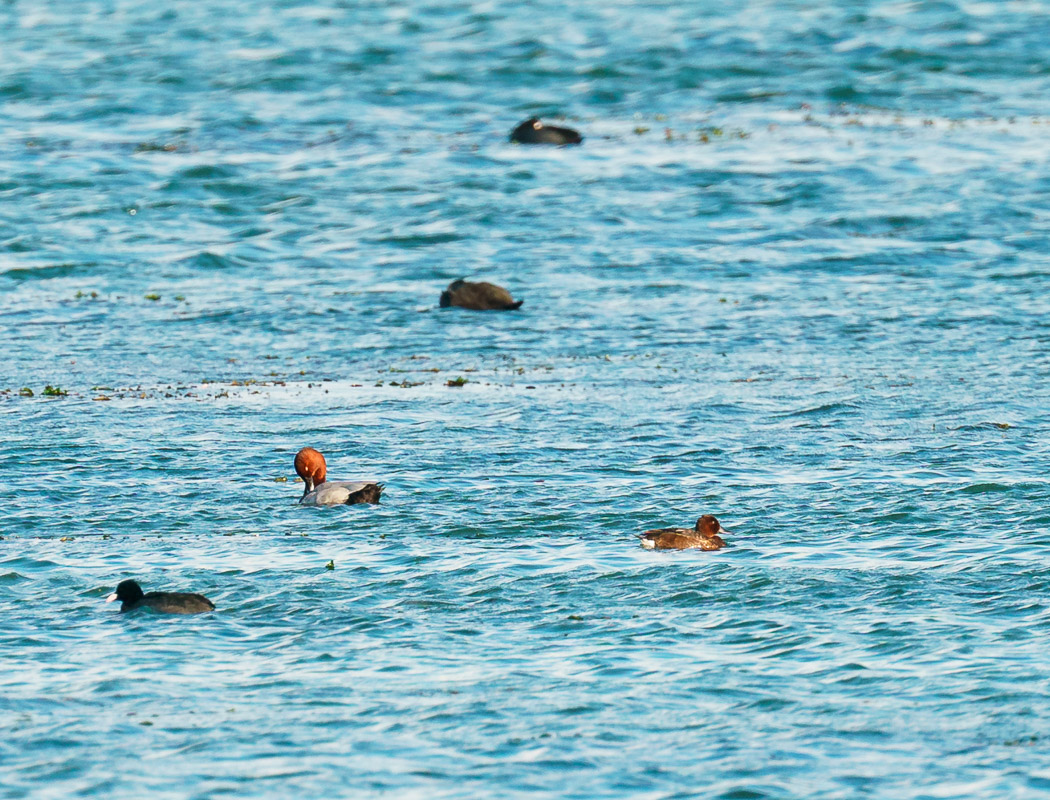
x=310 y=466
x=707 y=526
x=446 y=296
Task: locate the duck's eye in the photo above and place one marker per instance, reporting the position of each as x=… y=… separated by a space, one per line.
x=537 y=125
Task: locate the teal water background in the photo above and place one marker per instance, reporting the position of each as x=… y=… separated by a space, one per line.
x=797 y=276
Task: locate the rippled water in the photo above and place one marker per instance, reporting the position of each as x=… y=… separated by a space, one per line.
x=797 y=276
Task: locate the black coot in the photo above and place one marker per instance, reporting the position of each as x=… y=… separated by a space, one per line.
x=532 y=131
x=130 y=595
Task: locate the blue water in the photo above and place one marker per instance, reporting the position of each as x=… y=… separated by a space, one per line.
x=797 y=276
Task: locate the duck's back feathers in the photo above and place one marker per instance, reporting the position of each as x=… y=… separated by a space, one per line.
x=334 y=493
x=669 y=531
x=480 y=296
x=680 y=539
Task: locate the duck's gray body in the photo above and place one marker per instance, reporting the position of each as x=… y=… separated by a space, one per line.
x=335 y=493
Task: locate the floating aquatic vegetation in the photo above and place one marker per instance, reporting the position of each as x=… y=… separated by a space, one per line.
x=154 y=147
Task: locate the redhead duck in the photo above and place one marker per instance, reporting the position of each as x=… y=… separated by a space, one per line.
x=311 y=467
x=130 y=595
x=478 y=297
x=704 y=535
x=532 y=131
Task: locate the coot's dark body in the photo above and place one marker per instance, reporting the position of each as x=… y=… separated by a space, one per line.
x=130 y=595
x=532 y=131
x=478 y=297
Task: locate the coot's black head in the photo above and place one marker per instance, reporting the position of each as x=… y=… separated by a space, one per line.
x=526 y=130
x=128 y=593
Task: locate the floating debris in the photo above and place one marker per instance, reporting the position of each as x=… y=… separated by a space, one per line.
x=154 y=147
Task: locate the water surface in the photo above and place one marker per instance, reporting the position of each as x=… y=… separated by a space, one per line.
x=796 y=276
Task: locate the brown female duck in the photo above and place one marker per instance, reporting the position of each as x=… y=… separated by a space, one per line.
x=478 y=297
x=704 y=536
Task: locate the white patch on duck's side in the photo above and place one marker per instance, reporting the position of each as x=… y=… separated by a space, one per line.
x=648 y=544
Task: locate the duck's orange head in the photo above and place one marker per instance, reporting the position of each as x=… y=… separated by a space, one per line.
x=310 y=466
x=706 y=526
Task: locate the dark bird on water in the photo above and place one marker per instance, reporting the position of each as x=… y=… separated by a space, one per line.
x=478 y=297
x=532 y=131
x=704 y=536
x=130 y=595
